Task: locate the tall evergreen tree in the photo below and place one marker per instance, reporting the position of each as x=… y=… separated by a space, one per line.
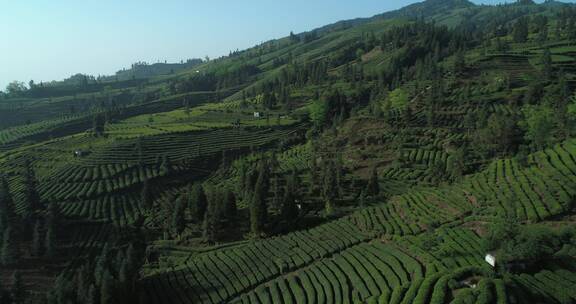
x=98 y=125
x=231 y=209
x=31 y=194
x=7 y=212
x=8 y=250
x=50 y=242
x=37 y=239
x=520 y=31
x=198 y=202
x=18 y=289
x=373 y=187
x=258 y=207
x=146 y=201
x=213 y=216
x=546 y=62
x=178 y=219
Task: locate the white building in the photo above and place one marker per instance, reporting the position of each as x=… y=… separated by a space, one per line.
x=490 y=259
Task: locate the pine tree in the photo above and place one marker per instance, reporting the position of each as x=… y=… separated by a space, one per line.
x=165 y=166
x=212 y=217
x=18 y=289
x=98 y=125
x=178 y=220
x=106 y=288
x=459 y=63
x=146 y=201
x=8 y=251
x=258 y=208
x=546 y=62
x=49 y=242
x=31 y=194
x=37 y=240
x=91 y=297
x=373 y=187
x=231 y=208
x=7 y=212
x=520 y=31
x=198 y=202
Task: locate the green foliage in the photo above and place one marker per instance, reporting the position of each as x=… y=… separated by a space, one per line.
x=198 y=202
x=539 y=124
x=373 y=187
x=318 y=113
x=398 y=99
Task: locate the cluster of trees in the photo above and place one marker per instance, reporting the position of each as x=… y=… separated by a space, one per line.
x=106 y=279
x=332 y=108
x=15 y=228
x=17 y=294
x=211 y=208
x=528 y=245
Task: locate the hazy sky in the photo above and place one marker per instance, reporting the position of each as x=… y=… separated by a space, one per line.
x=52 y=39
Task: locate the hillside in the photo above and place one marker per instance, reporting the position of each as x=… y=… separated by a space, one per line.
x=375 y=160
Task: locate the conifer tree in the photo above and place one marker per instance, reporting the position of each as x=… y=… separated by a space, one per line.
x=49 y=242
x=106 y=288
x=546 y=62
x=165 y=166
x=98 y=125
x=178 y=220
x=520 y=31
x=8 y=250
x=31 y=194
x=198 y=202
x=373 y=187
x=146 y=201
x=37 y=240
x=231 y=208
x=213 y=217
x=459 y=63
x=18 y=289
x=258 y=207
x=7 y=212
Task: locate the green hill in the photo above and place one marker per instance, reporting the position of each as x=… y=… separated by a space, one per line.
x=376 y=160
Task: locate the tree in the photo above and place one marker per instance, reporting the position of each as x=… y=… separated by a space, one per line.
x=16 y=88
x=373 y=187
x=98 y=125
x=18 y=289
x=31 y=194
x=198 y=202
x=106 y=288
x=214 y=214
x=520 y=31
x=178 y=219
x=290 y=210
x=49 y=242
x=558 y=98
x=258 y=207
x=398 y=99
x=146 y=201
x=459 y=62
x=319 y=113
x=456 y=165
x=539 y=125
x=499 y=135
x=8 y=251
x=37 y=239
x=7 y=212
x=546 y=62
x=230 y=204
x=165 y=166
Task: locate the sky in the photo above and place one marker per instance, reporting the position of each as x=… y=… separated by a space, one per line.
x=44 y=40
